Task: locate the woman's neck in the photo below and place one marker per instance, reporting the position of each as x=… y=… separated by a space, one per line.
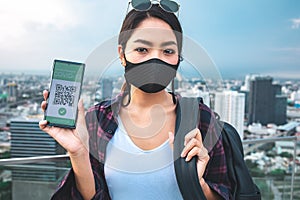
x=144 y=100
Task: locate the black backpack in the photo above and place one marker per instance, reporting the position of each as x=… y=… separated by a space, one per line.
x=243 y=187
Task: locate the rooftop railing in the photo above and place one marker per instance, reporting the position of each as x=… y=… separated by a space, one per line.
x=258 y=142
x=248 y=144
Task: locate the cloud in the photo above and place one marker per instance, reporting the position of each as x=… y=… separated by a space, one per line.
x=286 y=74
x=34 y=32
x=18 y=18
x=291 y=50
x=296 y=23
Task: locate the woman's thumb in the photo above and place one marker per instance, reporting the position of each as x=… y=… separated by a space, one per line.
x=81 y=112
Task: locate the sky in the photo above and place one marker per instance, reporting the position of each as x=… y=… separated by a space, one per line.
x=241 y=37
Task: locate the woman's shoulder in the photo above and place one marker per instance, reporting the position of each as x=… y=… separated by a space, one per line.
x=99 y=106
x=102 y=115
x=203 y=108
x=106 y=105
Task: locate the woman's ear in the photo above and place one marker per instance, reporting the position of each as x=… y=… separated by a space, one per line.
x=121 y=55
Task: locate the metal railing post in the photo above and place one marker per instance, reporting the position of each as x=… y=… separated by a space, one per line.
x=26 y=160
x=293 y=168
x=274 y=139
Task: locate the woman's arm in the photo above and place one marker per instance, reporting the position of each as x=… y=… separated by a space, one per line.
x=84 y=177
x=75 y=141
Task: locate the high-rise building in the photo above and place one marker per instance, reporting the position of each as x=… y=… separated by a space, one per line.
x=280 y=110
x=248 y=78
x=34 y=180
x=107 y=88
x=12 y=91
x=261 y=100
x=230 y=106
x=246 y=93
x=266 y=104
x=295 y=96
x=245 y=89
x=28 y=140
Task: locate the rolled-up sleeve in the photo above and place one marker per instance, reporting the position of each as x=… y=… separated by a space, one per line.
x=67 y=189
x=215 y=174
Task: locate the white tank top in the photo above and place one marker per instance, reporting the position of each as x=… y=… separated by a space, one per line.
x=132 y=173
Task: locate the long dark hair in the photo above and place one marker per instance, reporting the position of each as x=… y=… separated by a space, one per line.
x=134 y=18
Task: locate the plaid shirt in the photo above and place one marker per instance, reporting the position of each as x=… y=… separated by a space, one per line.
x=101 y=124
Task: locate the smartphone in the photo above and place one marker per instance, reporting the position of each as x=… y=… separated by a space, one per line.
x=64 y=93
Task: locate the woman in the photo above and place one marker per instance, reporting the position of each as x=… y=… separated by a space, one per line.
x=141 y=120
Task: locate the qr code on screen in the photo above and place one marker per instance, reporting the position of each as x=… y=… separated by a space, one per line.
x=64 y=95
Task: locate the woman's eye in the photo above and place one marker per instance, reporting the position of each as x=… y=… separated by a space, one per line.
x=141 y=50
x=169 y=51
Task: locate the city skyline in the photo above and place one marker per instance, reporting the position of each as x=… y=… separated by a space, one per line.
x=240 y=37
x=264 y=160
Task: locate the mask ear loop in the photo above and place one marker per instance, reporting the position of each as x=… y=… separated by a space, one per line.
x=173 y=92
x=173 y=85
x=126 y=92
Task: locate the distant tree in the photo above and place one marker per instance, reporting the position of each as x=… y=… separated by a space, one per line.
x=6 y=154
x=256 y=172
x=278 y=173
x=286 y=155
x=250 y=164
x=291 y=103
x=271 y=154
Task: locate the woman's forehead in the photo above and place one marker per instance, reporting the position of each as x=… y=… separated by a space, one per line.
x=153 y=22
x=153 y=35
x=153 y=29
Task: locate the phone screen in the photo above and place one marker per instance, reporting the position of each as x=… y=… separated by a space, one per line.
x=64 y=93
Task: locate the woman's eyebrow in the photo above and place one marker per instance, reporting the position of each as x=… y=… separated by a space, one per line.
x=144 y=42
x=168 y=43
x=148 y=43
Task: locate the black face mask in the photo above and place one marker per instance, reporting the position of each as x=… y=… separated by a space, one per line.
x=150 y=76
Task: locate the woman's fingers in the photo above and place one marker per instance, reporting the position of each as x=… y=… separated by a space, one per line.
x=48 y=129
x=194 y=147
x=43 y=124
x=195 y=133
x=202 y=161
x=44 y=103
x=193 y=143
x=45 y=94
x=192 y=140
x=81 y=129
x=81 y=113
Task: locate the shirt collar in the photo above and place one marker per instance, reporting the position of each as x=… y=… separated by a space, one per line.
x=115 y=103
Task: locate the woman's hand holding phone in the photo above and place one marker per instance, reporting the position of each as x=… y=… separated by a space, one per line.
x=75 y=141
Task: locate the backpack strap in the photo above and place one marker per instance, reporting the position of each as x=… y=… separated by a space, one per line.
x=243 y=186
x=187 y=117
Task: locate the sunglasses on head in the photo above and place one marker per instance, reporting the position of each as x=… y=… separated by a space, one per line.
x=144 y=5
